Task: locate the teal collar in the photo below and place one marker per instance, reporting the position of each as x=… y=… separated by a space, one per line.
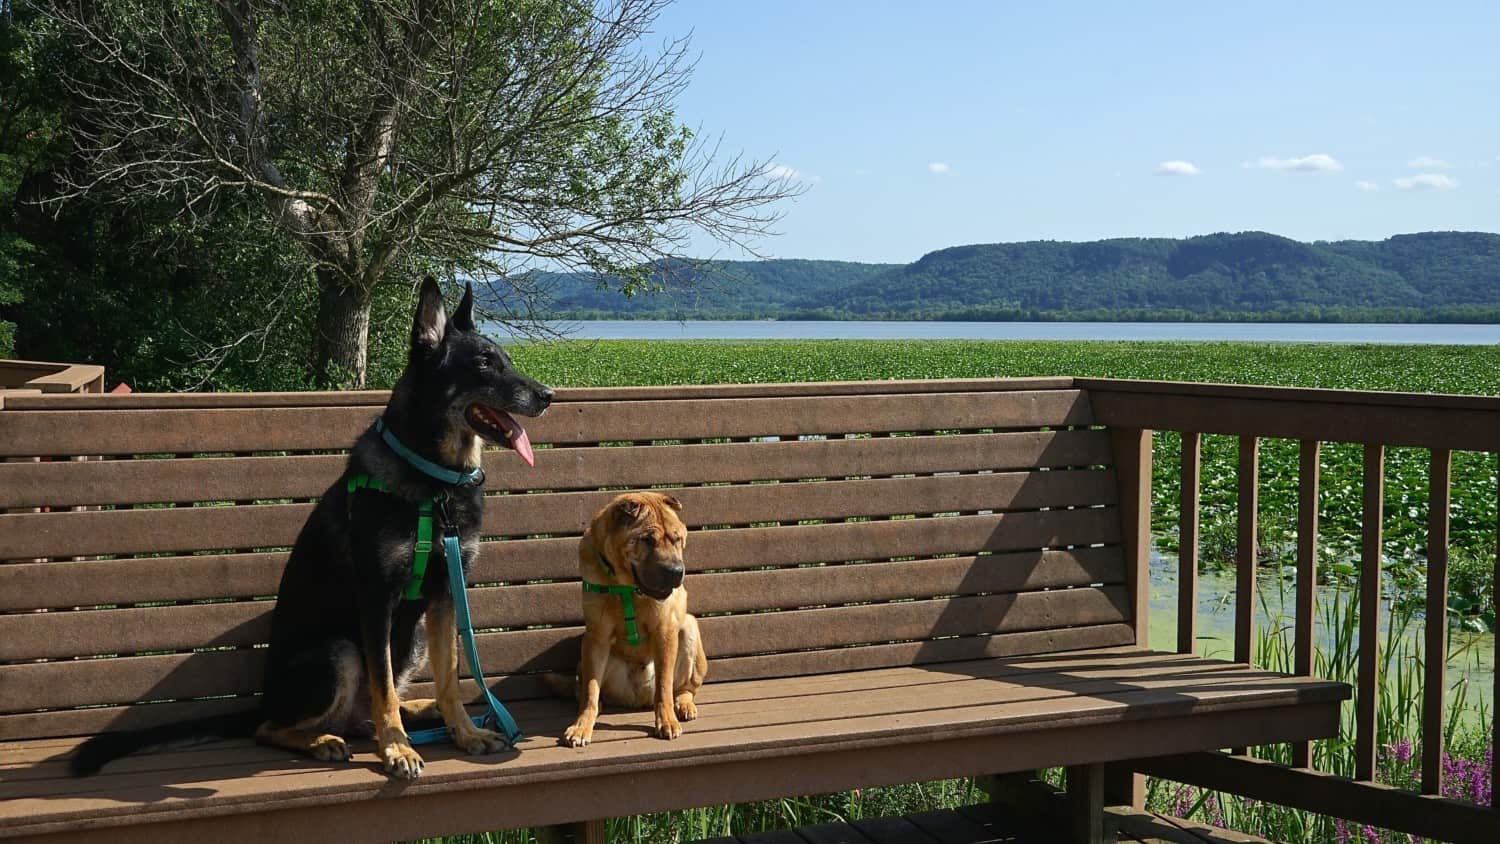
x=473 y=477
x=626 y=595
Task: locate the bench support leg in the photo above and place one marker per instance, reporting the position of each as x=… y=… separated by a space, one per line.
x=585 y=832
x=1124 y=787
x=1086 y=804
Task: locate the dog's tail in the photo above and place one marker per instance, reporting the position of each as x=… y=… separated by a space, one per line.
x=562 y=685
x=106 y=747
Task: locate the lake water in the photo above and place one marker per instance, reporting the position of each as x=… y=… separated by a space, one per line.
x=1274 y=332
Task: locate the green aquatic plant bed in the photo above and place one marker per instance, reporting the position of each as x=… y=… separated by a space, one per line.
x=1441 y=369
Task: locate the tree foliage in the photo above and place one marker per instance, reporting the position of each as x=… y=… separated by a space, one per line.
x=384 y=138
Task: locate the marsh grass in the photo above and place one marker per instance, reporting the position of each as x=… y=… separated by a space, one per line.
x=1443 y=369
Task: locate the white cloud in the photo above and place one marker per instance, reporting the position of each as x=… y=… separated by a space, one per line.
x=1367 y=186
x=1427 y=162
x=1315 y=163
x=1178 y=167
x=1425 y=181
x=938 y=168
x=791 y=174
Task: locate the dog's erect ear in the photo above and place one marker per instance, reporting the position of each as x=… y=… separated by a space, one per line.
x=463 y=318
x=672 y=502
x=431 y=322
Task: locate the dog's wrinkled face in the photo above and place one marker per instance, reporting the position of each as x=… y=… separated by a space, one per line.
x=646 y=539
x=478 y=384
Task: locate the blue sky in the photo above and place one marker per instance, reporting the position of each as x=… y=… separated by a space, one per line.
x=917 y=126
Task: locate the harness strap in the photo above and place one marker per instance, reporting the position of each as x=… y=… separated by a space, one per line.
x=627 y=599
x=423 y=550
x=627 y=603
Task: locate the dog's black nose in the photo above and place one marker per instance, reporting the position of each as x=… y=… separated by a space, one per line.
x=547 y=395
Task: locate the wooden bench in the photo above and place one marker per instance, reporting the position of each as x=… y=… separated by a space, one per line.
x=897 y=581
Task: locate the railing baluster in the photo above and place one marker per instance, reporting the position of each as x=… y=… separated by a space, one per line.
x=1307 y=575
x=1247 y=522
x=1436 y=647
x=1368 y=678
x=1495 y=680
x=1245 y=552
x=1187 y=546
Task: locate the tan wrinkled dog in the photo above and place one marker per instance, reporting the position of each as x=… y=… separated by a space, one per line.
x=636 y=542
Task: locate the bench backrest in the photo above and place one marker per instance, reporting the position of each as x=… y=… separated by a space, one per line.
x=834 y=526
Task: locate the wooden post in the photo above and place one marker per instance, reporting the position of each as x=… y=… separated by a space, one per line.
x=1133 y=474
x=1132 y=447
x=1086 y=804
x=583 y=832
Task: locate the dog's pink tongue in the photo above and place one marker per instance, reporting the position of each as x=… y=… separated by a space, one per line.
x=522 y=444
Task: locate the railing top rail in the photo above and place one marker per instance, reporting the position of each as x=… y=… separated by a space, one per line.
x=571 y=394
x=1459 y=423
x=1291 y=394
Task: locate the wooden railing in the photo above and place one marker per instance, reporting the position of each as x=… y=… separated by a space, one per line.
x=1376 y=421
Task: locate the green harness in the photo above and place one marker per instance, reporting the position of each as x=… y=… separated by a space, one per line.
x=424 y=533
x=627 y=598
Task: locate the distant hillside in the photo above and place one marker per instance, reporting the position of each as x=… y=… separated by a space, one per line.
x=730 y=289
x=1436 y=275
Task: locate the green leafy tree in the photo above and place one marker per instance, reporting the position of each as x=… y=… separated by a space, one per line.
x=387 y=137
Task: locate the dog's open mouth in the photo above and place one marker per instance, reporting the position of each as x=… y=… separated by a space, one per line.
x=500 y=428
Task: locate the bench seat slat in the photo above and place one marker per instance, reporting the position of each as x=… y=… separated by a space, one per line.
x=104 y=482
x=55 y=635
x=80 y=533
x=769 y=703
x=240 y=778
x=42 y=433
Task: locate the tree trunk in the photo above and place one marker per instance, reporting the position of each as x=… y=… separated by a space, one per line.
x=342 y=340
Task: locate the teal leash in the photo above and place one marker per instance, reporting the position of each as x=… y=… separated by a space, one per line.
x=498 y=718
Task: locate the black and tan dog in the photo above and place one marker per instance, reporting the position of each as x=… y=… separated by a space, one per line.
x=632 y=557
x=343 y=638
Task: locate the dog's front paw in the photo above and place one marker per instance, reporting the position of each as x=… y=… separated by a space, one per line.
x=401 y=761
x=578 y=735
x=476 y=741
x=686 y=710
x=666 y=724
x=329 y=748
